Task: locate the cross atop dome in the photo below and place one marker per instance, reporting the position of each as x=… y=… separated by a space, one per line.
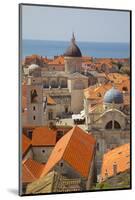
x=73 y=50
x=73 y=38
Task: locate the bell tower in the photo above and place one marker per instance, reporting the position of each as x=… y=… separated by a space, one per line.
x=35 y=103
x=72 y=57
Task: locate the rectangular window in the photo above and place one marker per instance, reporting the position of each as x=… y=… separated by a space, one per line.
x=97 y=146
x=50 y=115
x=34 y=117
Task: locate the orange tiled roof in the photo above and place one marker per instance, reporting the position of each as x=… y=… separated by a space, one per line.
x=46 y=60
x=87 y=62
x=86 y=58
x=31 y=170
x=43 y=136
x=26 y=142
x=50 y=101
x=119 y=156
x=117 y=77
x=57 y=61
x=30 y=58
x=125 y=83
x=76 y=148
x=93 y=93
x=106 y=61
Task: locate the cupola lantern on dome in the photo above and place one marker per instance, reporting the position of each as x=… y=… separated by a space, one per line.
x=73 y=50
x=113 y=96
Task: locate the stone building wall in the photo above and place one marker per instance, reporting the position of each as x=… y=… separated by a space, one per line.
x=41 y=154
x=69 y=172
x=109 y=139
x=35 y=106
x=72 y=64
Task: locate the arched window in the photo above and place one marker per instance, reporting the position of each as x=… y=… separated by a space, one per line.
x=45 y=84
x=116 y=125
x=54 y=84
x=63 y=84
x=97 y=146
x=109 y=125
x=50 y=115
x=34 y=96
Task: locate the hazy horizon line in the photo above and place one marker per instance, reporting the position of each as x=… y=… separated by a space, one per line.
x=76 y=40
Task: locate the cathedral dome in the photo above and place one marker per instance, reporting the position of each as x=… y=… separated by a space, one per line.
x=73 y=50
x=113 y=96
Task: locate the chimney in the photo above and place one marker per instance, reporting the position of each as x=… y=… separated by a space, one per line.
x=115 y=169
x=106 y=174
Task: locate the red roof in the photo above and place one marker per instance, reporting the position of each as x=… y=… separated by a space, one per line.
x=57 y=61
x=119 y=156
x=44 y=136
x=26 y=142
x=31 y=170
x=76 y=148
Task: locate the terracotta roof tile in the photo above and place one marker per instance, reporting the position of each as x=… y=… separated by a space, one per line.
x=125 y=83
x=31 y=170
x=57 y=61
x=119 y=156
x=26 y=142
x=76 y=148
x=93 y=93
x=43 y=136
x=117 y=77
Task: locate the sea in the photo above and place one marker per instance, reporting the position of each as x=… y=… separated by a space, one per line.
x=94 y=49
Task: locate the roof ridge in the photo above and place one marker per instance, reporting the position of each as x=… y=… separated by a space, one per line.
x=69 y=139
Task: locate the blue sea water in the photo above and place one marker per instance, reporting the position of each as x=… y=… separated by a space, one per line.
x=54 y=48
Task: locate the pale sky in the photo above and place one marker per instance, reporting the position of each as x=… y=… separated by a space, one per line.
x=51 y=23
